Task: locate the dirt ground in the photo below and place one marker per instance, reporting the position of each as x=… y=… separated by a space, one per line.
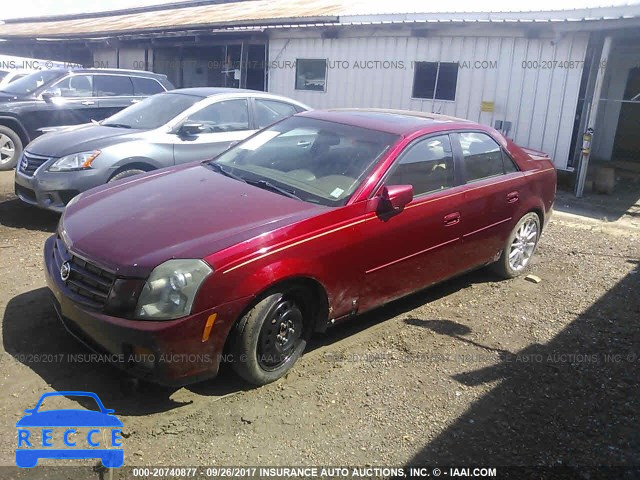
x=473 y=371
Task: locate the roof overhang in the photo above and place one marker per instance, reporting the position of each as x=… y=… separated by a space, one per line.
x=219 y=16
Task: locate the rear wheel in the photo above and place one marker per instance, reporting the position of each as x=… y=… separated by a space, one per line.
x=519 y=247
x=10 y=148
x=125 y=174
x=272 y=336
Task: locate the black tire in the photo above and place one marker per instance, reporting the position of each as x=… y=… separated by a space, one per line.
x=504 y=266
x=271 y=337
x=9 y=139
x=125 y=174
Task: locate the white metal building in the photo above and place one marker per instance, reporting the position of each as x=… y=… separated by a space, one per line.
x=535 y=75
x=496 y=71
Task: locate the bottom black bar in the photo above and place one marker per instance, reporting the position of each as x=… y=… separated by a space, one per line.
x=45 y=472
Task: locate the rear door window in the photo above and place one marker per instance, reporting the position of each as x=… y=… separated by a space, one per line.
x=509 y=165
x=146 y=86
x=113 y=86
x=270 y=111
x=482 y=156
x=224 y=116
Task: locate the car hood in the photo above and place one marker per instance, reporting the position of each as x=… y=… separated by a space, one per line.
x=84 y=138
x=188 y=211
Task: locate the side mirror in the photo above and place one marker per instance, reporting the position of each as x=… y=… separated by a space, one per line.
x=395 y=197
x=48 y=95
x=189 y=129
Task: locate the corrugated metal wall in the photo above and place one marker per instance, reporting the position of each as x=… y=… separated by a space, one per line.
x=527 y=79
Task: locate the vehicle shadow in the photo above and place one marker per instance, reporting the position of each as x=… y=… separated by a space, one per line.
x=34 y=336
x=452 y=329
x=401 y=306
x=571 y=402
x=15 y=213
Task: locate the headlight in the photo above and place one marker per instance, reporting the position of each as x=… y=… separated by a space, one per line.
x=75 y=161
x=171 y=289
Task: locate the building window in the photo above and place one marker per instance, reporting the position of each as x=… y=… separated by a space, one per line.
x=435 y=80
x=311 y=74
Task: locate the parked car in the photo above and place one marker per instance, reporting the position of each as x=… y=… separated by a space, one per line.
x=66 y=97
x=13 y=68
x=322 y=216
x=167 y=129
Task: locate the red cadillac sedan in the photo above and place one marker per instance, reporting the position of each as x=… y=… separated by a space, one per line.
x=311 y=221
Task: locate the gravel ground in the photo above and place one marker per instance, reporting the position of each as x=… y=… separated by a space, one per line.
x=473 y=371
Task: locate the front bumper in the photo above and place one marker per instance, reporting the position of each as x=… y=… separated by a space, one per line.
x=167 y=352
x=53 y=190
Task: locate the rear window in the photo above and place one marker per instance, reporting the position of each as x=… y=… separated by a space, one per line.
x=146 y=86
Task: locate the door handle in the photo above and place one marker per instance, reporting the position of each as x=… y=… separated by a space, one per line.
x=135 y=101
x=452 y=219
x=88 y=102
x=303 y=143
x=512 y=197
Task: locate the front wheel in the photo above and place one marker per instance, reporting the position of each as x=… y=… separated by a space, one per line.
x=271 y=336
x=125 y=174
x=519 y=247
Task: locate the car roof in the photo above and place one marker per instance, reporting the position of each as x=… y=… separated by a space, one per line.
x=398 y=122
x=211 y=91
x=140 y=73
x=207 y=92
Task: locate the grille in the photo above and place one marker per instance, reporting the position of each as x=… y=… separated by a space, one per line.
x=88 y=281
x=29 y=163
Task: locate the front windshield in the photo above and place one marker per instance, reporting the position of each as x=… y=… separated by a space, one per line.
x=316 y=160
x=30 y=83
x=152 y=112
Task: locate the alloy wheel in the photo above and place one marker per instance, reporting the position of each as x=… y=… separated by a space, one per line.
x=7 y=149
x=523 y=245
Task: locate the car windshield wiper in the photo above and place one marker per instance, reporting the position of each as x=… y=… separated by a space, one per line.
x=116 y=125
x=220 y=169
x=274 y=188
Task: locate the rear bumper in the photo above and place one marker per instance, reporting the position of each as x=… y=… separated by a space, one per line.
x=166 y=352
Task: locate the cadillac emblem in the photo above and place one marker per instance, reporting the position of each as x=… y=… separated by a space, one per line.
x=65 y=270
